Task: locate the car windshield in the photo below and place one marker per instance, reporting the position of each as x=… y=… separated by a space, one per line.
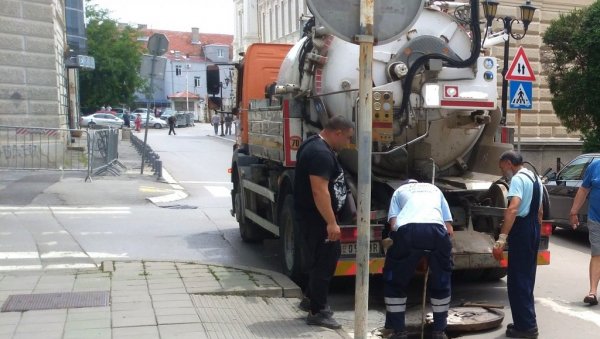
x=574 y=170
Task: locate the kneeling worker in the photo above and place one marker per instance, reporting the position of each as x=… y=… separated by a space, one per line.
x=420 y=221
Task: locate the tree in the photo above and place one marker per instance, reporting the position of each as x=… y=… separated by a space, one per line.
x=572 y=62
x=117 y=56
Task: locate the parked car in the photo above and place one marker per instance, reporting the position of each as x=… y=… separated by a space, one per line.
x=562 y=188
x=143 y=111
x=101 y=119
x=154 y=122
x=166 y=113
x=120 y=110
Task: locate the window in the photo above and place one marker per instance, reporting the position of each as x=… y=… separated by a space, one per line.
x=178 y=70
x=220 y=53
x=276 y=21
x=290 y=17
x=263 y=29
x=196 y=81
x=574 y=170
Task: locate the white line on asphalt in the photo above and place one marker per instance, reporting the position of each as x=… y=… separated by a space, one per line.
x=218 y=191
x=44 y=208
x=95 y=233
x=55 y=232
x=61 y=266
x=63 y=254
x=586 y=315
x=19 y=255
x=20 y=267
x=5 y=233
x=106 y=255
x=207 y=182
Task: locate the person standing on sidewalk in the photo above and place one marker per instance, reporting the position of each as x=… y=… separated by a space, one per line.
x=228 y=121
x=216 y=121
x=138 y=122
x=521 y=230
x=319 y=193
x=171 y=120
x=590 y=186
x=420 y=222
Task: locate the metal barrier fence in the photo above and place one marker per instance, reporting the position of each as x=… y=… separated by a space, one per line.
x=61 y=149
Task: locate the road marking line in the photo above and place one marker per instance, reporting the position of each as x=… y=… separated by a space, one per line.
x=207 y=182
x=63 y=254
x=19 y=255
x=586 y=315
x=61 y=266
x=20 y=267
x=107 y=255
x=218 y=191
x=55 y=232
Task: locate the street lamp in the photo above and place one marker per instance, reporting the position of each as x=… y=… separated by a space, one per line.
x=526 y=11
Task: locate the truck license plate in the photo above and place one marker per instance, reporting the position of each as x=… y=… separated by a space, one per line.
x=350 y=248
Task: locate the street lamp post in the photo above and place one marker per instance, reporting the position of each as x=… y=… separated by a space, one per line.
x=527 y=11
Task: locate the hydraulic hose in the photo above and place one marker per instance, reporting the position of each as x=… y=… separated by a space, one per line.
x=412 y=71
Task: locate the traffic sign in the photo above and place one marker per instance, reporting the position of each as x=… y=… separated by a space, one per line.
x=520 y=69
x=521 y=95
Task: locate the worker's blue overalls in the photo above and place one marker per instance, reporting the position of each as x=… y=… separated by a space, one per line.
x=524 y=242
x=411 y=243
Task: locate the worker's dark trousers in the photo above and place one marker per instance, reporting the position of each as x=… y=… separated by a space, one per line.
x=320 y=261
x=523 y=242
x=411 y=243
x=172 y=129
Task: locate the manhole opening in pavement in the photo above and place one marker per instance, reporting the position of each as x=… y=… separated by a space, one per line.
x=180 y=207
x=51 y=301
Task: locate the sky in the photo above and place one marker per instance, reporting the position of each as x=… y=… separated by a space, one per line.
x=210 y=16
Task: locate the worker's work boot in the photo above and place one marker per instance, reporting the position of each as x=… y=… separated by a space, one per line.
x=323 y=320
x=438 y=335
x=305 y=306
x=512 y=332
x=399 y=335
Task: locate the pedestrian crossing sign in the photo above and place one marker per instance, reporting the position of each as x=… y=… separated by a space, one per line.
x=521 y=95
x=520 y=69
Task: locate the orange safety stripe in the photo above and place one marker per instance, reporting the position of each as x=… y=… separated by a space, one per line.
x=347 y=267
x=543 y=258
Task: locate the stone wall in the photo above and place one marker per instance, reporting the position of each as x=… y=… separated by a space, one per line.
x=33 y=89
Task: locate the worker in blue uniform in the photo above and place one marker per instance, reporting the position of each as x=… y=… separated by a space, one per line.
x=521 y=230
x=420 y=225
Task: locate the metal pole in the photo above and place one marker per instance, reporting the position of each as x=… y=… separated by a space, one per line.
x=507 y=29
x=364 y=144
x=148 y=114
x=519 y=130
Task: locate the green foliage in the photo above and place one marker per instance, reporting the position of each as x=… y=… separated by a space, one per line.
x=573 y=66
x=118 y=57
x=592 y=142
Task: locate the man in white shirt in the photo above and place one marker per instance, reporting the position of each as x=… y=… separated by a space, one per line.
x=420 y=224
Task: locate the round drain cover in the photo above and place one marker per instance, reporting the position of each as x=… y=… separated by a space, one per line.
x=468 y=319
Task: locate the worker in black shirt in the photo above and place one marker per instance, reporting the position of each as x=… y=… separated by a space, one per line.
x=319 y=193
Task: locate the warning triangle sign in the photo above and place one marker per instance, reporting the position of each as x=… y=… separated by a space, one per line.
x=520 y=69
x=520 y=98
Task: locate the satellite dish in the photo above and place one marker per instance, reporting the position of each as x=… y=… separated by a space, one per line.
x=342 y=17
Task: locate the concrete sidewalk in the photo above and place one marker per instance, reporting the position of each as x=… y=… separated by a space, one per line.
x=150 y=299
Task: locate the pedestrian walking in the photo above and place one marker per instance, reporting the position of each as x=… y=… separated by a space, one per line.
x=521 y=230
x=126 y=120
x=236 y=125
x=228 y=122
x=138 y=122
x=171 y=120
x=420 y=223
x=590 y=187
x=319 y=194
x=216 y=121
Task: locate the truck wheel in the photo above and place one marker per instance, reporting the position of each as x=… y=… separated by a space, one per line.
x=249 y=231
x=290 y=242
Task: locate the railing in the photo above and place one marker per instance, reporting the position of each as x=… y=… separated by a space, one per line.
x=59 y=149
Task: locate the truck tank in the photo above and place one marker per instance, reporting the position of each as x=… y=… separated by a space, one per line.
x=322 y=72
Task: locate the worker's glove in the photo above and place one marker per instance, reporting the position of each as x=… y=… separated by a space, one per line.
x=501 y=242
x=387 y=243
x=498 y=250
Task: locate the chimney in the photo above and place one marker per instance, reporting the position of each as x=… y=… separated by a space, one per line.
x=195 y=35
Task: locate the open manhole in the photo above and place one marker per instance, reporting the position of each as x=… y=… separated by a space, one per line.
x=51 y=301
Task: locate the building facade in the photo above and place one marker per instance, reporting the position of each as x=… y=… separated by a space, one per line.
x=196 y=63
x=33 y=76
x=543 y=138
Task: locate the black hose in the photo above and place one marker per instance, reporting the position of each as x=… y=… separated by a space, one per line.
x=412 y=72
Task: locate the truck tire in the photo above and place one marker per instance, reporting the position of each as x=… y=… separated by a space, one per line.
x=291 y=253
x=249 y=231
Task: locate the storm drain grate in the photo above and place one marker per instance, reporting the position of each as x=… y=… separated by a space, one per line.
x=50 y=301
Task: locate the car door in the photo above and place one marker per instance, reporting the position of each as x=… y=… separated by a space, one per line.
x=562 y=191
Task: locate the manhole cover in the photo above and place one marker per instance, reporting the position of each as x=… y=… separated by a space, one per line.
x=180 y=207
x=467 y=319
x=50 y=301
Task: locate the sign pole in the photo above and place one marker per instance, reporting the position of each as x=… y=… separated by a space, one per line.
x=519 y=130
x=364 y=145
